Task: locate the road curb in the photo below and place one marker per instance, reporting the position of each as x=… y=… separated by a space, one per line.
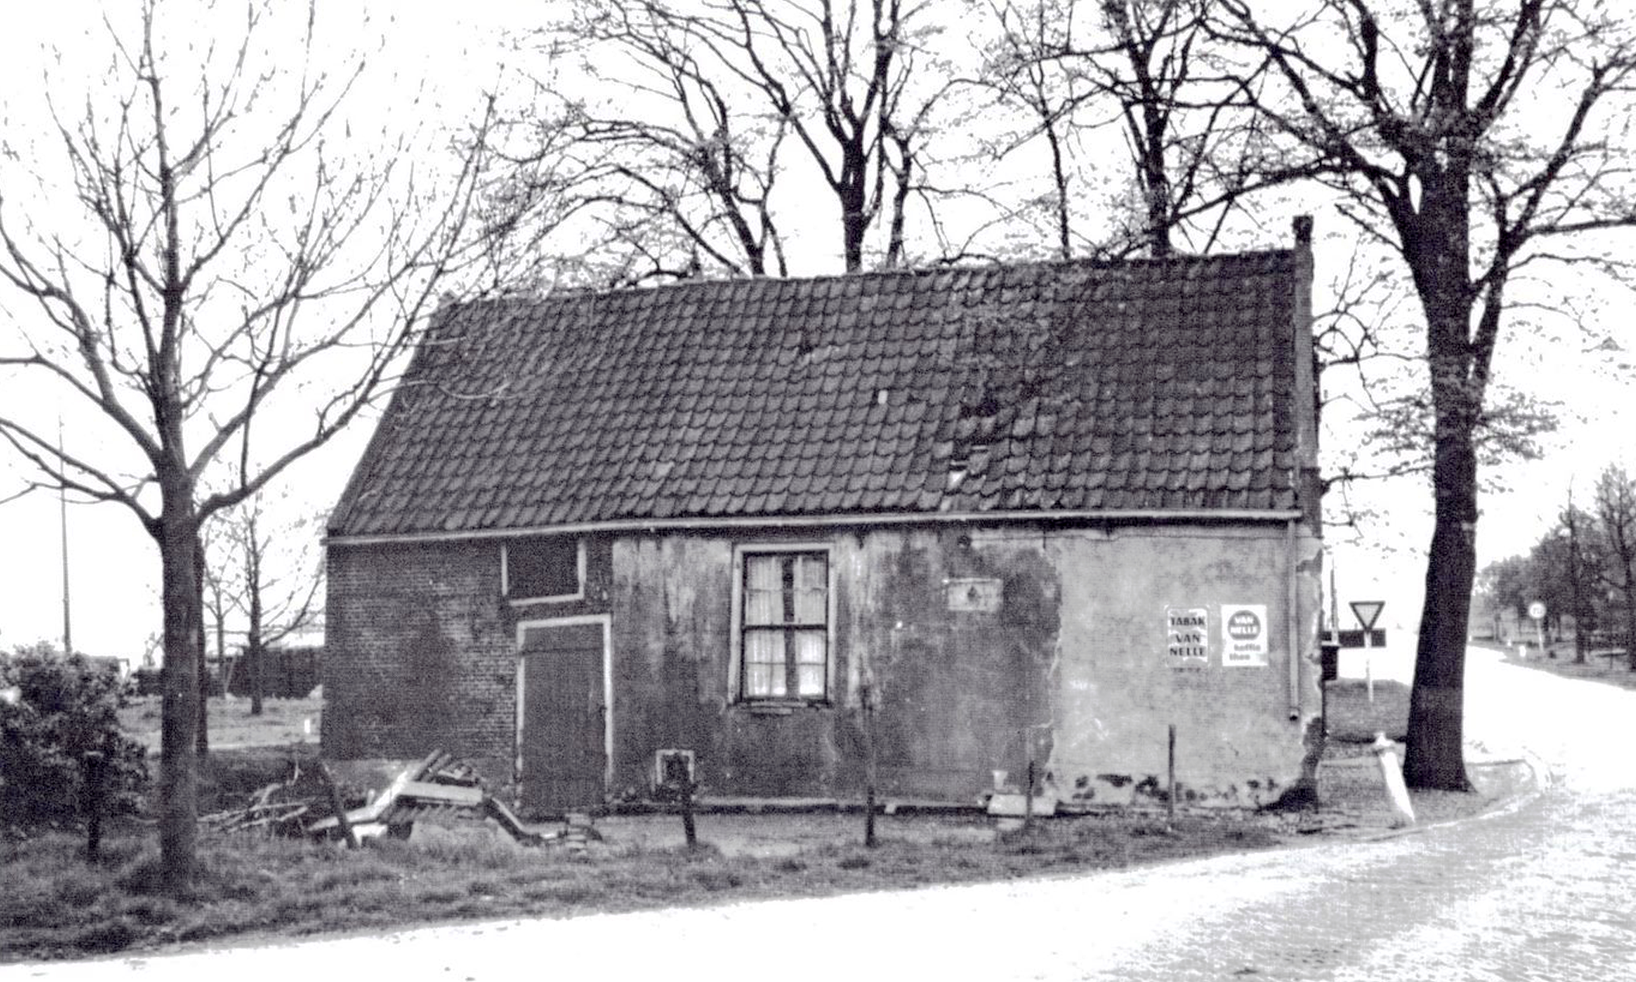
x=1503 y=806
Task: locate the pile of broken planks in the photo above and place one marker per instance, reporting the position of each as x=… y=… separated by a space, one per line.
x=263 y=813
x=437 y=787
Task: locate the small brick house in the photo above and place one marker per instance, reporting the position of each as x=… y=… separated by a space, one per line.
x=1038 y=513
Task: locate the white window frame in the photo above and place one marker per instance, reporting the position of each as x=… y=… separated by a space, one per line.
x=735 y=661
x=579 y=577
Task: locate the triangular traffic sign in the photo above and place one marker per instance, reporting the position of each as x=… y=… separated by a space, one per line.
x=1367 y=612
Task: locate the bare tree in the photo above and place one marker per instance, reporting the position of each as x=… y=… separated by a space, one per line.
x=709 y=99
x=1616 y=534
x=671 y=169
x=281 y=584
x=221 y=585
x=1180 y=115
x=1151 y=68
x=1024 y=67
x=1473 y=138
x=231 y=268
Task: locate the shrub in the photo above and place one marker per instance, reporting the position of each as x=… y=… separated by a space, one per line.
x=66 y=706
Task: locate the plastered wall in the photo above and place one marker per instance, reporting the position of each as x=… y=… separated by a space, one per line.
x=986 y=647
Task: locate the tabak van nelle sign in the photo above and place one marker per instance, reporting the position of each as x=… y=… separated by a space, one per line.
x=1187 y=634
x=1243 y=635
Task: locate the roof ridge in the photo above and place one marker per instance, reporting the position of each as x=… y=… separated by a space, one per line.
x=1089 y=262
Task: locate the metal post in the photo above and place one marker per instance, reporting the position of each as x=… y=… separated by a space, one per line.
x=1369 y=664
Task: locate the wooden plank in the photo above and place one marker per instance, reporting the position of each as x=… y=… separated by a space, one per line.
x=335 y=803
x=373 y=811
x=1018 y=805
x=452 y=794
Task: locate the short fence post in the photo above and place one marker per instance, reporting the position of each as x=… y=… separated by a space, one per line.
x=1171 y=793
x=95 y=768
x=1028 y=799
x=688 y=830
x=867 y=697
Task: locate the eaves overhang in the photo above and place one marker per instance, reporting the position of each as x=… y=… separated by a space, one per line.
x=702 y=523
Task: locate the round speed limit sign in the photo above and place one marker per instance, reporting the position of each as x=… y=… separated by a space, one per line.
x=1536 y=610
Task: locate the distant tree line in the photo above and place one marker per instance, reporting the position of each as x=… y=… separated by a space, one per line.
x=1583 y=569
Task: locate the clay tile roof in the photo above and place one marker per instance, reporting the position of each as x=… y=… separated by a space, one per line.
x=1161 y=384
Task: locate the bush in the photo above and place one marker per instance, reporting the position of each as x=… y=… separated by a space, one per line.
x=65 y=707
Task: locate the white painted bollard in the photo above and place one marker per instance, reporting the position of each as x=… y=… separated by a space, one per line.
x=1392 y=773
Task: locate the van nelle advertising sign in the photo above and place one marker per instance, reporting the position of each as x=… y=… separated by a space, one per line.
x=1187 y=634
x=1243 y=635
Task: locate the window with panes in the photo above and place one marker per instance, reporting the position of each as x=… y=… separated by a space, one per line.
x=785 y=626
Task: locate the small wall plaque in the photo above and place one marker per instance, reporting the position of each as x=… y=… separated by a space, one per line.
x=980 y=595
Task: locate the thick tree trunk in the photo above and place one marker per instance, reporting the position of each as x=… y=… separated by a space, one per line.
x=852 y=229
x=252 y=639
x=1436 y=748
x=852 y=193
x=1059 y=176
x=255 y=653
x=178 y=765
x=1156 y=186
x=201 y=735
x=1630 y=622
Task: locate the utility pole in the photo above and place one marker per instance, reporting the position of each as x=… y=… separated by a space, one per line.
x=62 y=508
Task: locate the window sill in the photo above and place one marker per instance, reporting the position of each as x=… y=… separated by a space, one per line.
x=779 y=708
x=530 y=601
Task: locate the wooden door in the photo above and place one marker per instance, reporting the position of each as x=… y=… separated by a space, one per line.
x=564 y=754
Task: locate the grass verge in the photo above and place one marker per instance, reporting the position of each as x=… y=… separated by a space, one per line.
x=1354 y=719
x=62 y=907
x=282 y=721
x=1605 y=666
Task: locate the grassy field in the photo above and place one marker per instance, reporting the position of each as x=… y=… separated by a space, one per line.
x=1608 y=667
x=1354 y=719
x=282 y=722
x=60 y=906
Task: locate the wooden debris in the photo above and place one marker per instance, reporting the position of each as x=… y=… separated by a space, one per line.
x=437 y=786
x=450 y=794
x=337 y=807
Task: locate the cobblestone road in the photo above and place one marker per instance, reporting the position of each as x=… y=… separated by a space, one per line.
x=1540 y=890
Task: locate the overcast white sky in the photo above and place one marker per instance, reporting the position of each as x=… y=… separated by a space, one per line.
x=454 y=49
